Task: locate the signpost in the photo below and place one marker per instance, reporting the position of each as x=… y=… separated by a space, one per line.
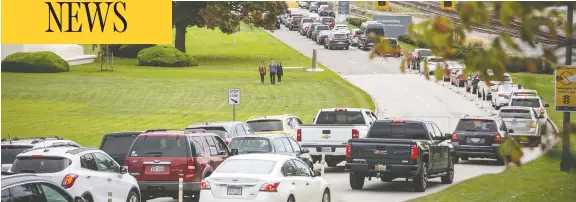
x=565 y=76
x=566 y=88
x=234 y=99
x=343 y=7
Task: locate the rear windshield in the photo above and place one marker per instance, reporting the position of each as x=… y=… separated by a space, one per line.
x=40 y=165
x=526 y=103
x=507 y=78
x=117 y=145
x=322 y=27
x=377 y=31
x=266 y=125
x=246 y=166
x=340 y=36
x=505 y=88
x=297 y=19
x=476 y=125
x=159 y=146
x=525 y=93
x=9 y=152
x=251 y=145
x=334 y=117
x=424 y=53
x=220 y=131
x=390 y=130
x=307 y=20
x=327 y=19
x=515 y=113
x=392 y=41
x=435 y=60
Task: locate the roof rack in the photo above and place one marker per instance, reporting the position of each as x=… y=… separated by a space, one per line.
x=56 y=144
x=79 y=150
x=32 y=137
x=161 y=130
x=195 y=130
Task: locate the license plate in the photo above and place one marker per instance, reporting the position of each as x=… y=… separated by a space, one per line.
x=326 y=149
x=475 y=140
x=380 y=167
x=157 y=169
x=234 y=190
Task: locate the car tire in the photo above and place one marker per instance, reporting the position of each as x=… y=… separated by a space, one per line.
x=500 y=161
x=421 y=180
x=347 y=47
x=326 y=196
x=449 y=177
x=456 y=159
x=330 y=47
x=132 y=197
x=465 y=158
x=467 y=88
x=325 y=47
x=386 y=179
x=311 y=165
x=474 y=90
x=356 y=181
x=88 y=197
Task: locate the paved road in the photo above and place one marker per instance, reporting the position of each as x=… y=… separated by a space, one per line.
x=401 y=96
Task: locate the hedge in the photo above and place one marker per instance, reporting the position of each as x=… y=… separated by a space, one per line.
x=132 y=50
x=356 y=21
x=35 y=62
x=165 y=56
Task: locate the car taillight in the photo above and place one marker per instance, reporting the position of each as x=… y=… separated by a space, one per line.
x=227 y=142
x=533 y=124
x=355 y=35
x=414 y=152
x=348 y=150
x=355 y=134
x=501 y=95
x=191 y=167
x=454 y=137
x=69 y=180
x=498 y=138
x=204 y=185
x=299 y=135
x=542 y=111
x=270 y=187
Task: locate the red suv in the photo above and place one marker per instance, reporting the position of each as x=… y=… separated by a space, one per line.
x=157 y=159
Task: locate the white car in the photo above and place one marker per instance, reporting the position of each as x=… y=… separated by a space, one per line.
x=12 y=147
x=85 y=172
x=264 y=178
x=341 y=27
x=485 y=90
x=524 y=122
x=530 y=101
x=433 y=62
x=502 y=96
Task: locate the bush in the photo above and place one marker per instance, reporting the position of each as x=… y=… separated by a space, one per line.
x=406 y=39
x=132 y=50
x=474 y=42
x=115 y=49
x=35 y=62
x=356 y=21
x=526 y=64
x=165 y=56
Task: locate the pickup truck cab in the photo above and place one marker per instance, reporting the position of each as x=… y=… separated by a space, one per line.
x=331 y=131
x=409 y=149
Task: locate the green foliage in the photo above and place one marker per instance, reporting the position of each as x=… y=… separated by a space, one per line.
x=527 y=64
x=356 y=21
x=132 y=50
x=35 y=62
x=165 y=56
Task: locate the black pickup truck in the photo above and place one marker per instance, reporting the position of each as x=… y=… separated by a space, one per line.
x=392 y=149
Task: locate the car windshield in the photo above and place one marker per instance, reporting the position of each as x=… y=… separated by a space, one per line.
x=424 y=53
x=340 y=117
x=218 y=130
x=159 y=146
x=322 y=27
x=376 y=31
x=297 y=19
x=251 y=145
x=246 y=166
x=307 y=20
x=266 y=125
x=392 y=41
x=40 y=164
x=534 y=103
x=389 y=130
x=477 y=125
x=340 y=36
x=9 y=152
x=515 y=114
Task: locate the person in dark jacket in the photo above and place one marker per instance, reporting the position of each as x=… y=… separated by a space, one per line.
x=262 y=71
x=279 y=72
x=272 y=70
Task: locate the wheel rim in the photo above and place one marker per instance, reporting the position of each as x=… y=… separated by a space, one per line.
x=133 y=199
x=326 y=197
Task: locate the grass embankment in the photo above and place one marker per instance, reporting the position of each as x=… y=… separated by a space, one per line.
x=84 y=104
x=539 y=180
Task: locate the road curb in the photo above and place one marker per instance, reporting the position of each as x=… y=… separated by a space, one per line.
x=554 y=126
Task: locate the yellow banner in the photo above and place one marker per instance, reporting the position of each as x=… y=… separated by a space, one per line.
x=566 y=88
x=86 y=22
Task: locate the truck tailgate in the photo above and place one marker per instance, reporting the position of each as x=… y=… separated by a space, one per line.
x=375 y=150
x=337 y=134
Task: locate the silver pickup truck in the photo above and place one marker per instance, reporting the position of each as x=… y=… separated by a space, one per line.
x=331 y=130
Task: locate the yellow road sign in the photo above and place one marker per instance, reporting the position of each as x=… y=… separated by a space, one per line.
x=565 y=88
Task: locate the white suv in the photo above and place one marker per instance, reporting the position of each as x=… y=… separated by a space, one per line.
x=12 y=147
x=85 y=172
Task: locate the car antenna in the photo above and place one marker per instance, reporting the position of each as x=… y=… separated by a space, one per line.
x=9 y=139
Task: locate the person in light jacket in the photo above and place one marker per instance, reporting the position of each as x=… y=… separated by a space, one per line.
x=272 y=70
x=279 y=72
x=262 y=71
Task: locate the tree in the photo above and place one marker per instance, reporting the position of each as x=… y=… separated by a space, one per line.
x=438 y=33
x=225 y=15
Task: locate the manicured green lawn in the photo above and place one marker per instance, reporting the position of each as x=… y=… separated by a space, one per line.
x=84 y=103
x=539 y=180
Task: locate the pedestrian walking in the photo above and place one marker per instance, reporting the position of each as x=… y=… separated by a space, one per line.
x=279 y=72
x=272 y=70
x=262 y=71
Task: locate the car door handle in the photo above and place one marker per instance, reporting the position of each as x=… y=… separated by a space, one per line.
x=109 y=179
x=87 y=177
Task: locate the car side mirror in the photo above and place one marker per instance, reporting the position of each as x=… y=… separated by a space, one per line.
x=234 y=152
x=304 y=150
x=510 y=131
x=546 y=105
x=313 y=120
x=123 y=170
x=79 y=199
x=317 y=173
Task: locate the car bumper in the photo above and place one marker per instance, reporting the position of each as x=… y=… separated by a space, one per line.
x=338 y=152
x=166 y=188
x=392 y=170
x=476 y=151
x=339 y=44
x=208 y=196
x=502 y=102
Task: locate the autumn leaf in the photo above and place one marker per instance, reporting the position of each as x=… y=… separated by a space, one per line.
x=531 y=66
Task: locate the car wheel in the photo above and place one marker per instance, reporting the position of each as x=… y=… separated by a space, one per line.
x=500 y=161
x=421 y=180
x=325 y=47
x=311 y=165
x=347 y=47
x=132 y=197
x=464 y=158
x=291 y=199
x=449 y=177
x=356 y=181
x=456 y=159
x=88 y=198
x=326 y=196
x=330 y=47
x=467 y=87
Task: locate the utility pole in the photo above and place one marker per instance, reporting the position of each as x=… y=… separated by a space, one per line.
x=565 y=163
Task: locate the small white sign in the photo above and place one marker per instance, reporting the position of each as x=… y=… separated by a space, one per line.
x=234 y=96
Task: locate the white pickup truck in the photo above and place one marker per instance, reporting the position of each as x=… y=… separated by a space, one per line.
x=331 y=130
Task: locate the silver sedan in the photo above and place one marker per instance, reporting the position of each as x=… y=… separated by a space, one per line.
x=525 y=124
